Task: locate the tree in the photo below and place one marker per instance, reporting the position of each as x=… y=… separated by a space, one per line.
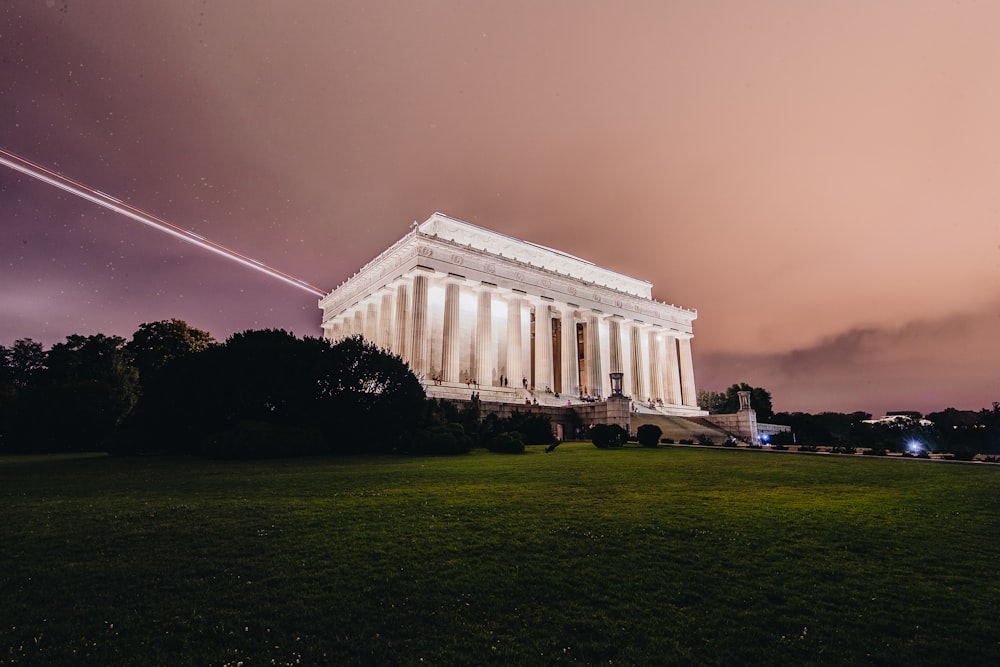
x=263 y=377
x=156 y=344
x=712 y=401
x=825 y=428
x=87 y=388
x=760 y=401
x=25 y=362
x=373 y=393
x=990 y=419
x=355 y=395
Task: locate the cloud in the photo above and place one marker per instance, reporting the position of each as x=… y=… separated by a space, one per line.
x=927 y=364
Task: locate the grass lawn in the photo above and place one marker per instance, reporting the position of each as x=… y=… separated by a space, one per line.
x=628 y=557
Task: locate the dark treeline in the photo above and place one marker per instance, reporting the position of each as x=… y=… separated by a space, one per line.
x=173 y=389
x=963 y=433
x=960 y=432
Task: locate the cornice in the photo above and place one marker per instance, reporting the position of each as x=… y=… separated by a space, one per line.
x=418 y=250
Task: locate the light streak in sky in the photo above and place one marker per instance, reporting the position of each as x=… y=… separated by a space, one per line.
x=44 y=175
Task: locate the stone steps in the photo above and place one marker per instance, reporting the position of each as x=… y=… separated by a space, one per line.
x=678 y=428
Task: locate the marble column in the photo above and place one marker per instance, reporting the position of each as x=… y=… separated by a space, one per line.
x=570 y=362
x=689 y=395
x=543 y=346
x=358 y=324
x=484 y=336
x=450 y=334
x=418 y=332
x=657 y=368
x=400 y=337
x=592 y=339
x=514 y=344
x=615 y=339
x=673 y=377
x=639 y=392
x=371 y=322
x=385 y=321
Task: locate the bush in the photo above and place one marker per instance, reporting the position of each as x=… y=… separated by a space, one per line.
x=648 y=435
x=607 y=436
x=704 y=439
x=686 y=441
x=667 y=441
x=782 y=438
x=535 y=428
x=438 y=439
x=509 y=442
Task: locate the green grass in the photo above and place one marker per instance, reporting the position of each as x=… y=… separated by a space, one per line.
x=635 y=556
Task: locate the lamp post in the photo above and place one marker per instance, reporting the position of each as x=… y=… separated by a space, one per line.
x=616 y=384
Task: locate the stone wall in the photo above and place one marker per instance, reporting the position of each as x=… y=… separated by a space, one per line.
x=567 y=419
x=745 y=426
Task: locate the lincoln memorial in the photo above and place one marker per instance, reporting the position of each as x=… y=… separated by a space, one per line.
x=472 y=310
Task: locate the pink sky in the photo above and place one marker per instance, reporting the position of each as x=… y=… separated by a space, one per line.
x=819 y=180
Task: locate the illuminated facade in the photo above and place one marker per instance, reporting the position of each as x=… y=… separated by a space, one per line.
x=473 y=310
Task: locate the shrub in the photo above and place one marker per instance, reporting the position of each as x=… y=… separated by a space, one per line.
x=704 y=439
x=648 y=435
x=783 y=438
x=535 y=428
x=667 y=441
x=686 y=441
x=808 y=448
x=509 y=442
x=438 y=439
x=607 y=436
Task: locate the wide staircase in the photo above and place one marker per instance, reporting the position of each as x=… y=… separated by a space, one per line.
x=678 y=428
x=460 y=391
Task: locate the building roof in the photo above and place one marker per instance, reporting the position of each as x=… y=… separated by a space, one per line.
x=465 y=233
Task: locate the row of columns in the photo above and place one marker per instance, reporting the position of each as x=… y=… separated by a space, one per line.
x=657 y=364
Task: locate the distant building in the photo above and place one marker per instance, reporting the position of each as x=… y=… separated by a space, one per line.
x=900 y=419
x=472 y=310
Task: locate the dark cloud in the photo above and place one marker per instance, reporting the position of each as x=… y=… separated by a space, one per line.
x=925 y=365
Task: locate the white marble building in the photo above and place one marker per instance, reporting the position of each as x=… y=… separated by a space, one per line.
x=462 y=303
